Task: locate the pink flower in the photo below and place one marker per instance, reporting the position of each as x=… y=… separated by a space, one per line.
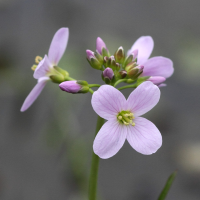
x=155 y=66
x=124 y=121
x=45 y=66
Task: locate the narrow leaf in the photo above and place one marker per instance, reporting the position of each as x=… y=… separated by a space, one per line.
x=167 y=186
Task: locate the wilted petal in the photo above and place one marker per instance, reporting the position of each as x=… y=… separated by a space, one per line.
x=107 y=101
x=110 y=139
x=58 y=45
x=99 y=45
x=144 y=137
x=143 y=98
x=34 y=93
x=42 y=68
x=158 y=66
x=144 y=45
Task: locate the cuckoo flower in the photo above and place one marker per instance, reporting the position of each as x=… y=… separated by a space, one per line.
x=45 y=67
x=155 y=66
x=124 y=121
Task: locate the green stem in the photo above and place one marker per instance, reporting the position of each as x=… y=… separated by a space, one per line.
x=91 y=91
x=94 y=85
x=119 y=81
x=94 y=166
x=127 y=86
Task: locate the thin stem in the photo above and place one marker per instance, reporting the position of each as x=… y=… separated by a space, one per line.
x=94 y=85
x=91 y=91
x=119 y=81
x=127 y=86
x=94 y=166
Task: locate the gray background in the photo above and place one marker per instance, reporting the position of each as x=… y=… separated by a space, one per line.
x=45 y=152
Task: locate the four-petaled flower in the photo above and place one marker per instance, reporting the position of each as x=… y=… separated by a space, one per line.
x=124 y=121
x=45 y=66
x=155 y=66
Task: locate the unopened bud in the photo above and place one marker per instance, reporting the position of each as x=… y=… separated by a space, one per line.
x=90 y=54
x=131 y=57
x=108 y=74
x=157 y=80
x=100 y=45
x=95 y=63
x=119 y=55
x=134 y=72
x=74 y=87
x=130 y=66
x=123 y=74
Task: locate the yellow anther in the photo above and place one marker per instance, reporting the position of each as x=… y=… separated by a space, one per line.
x=38 y=59
x=34 y=67
x=119 y=117
x=133 y=124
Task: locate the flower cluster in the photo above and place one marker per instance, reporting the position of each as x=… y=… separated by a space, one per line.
x=124 y=121
x=134 y=67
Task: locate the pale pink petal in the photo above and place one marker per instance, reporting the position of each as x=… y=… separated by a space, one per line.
x=58 y=45
x=144 y=137
x=42 y=68
x=34 y=93
x=99 y=45
x=144 y=45
x=143 y=98
x=158 y=66
x=110 y=139
x=107 y=102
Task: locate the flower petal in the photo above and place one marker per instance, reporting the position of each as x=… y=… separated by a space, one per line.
x=144 y=45
x=107 y=101
x=158 y=66
x=58 y=45
x=144 y=137
x=110 y=139
x=34 y=93
x=143 y=98
x=42 y=68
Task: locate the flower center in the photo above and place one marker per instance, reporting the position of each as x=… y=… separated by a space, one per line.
x=126 y=118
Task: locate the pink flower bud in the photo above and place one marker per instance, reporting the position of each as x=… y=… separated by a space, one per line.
x=99 y=45
x=157 y=80
x=70 y=86
x=108 y=73
x=90 y=54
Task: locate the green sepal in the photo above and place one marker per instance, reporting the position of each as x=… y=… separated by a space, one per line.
x=62 y=71
x=59 y=78
x=84 y=89
x=168 y=184
x=140 y=80
x=128 y=60
x=119 y=55
x=82 y=83
x=105 y=52
x=99 y=57
x=95 y=63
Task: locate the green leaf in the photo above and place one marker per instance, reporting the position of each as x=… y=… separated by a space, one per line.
x=167 y=186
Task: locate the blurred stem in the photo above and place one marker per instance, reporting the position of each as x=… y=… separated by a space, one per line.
x=94 y=166
x=167 y=186
x=94 y=85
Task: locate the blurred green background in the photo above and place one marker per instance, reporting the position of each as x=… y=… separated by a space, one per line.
x=45 y=152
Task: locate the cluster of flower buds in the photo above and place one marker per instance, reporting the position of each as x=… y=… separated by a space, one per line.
x=74 y=86
x=114 y=67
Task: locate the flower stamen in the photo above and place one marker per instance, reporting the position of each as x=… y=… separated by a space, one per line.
x=38 y=59
x=126 y=117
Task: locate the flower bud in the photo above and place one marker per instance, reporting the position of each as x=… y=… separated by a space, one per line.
x=108 y=73
x=100 y=45
x=134 y=72
x=90 y=54
x=123 y=74
x=93 y=60
x=74 y=86
x=157 y=80
x=131 y=57
x=119 y=55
